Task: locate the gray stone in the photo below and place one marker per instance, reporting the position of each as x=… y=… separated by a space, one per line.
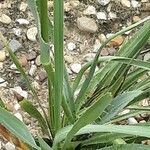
x=31 y=55
x=42 y=75
x=14 y=45
x=87 y=24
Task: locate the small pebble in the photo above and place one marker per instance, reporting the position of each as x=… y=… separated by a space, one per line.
x=89 y=57
x=132 y=120
x=126 y=3
x=147 y=57
x=23 y=6
x=69 y=71
x=32 y=70
x=9 y=146
x=19 y=116
x=22 y=21
x=144 y=102
x=32 y=55
x=116 y=41
x=2 y=80
x=102 y=38
x=19 y=92
x=35 y=85
x=74 y=3
x=23 y=60
x=71 y=46
x=17 y=31
x=101 y=16
x=32 y=33
x=2 y=56
x=91 y=10
x=104 y=52
x=103 y=2
x=1 y=65
x=112 y=15
x=5 y=19
x=124 y=112
x=136 y=18
x=135 y=4
x=42 y=75
x=13 y=67
x=14 y=45
x=97 y=45
x=68 y=59
x=67 y=7
x=146 y=7
x=87 y=24
x=17 y=107
x=76 y=67
x=38 y=61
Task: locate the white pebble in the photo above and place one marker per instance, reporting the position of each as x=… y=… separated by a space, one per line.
x=17 y=31
x=2 y=80
x=17 y=106
x=5 y=19
x=9 y=146
x=2 y=55
x=21 y=92
x=22 y=21
x=132 y=120
x=135 y=3
x=23 y=6
x=101 y=16
x=97 y=45
x=90 y=10
x=32 y=33
x=19 y=116
x=32 y=70
x=76 y=67
x=103 y=2
x=71 y=46
x=124 y=112
x=13 y=67
x=126 y=3
x=147 y=57
x=112 y=15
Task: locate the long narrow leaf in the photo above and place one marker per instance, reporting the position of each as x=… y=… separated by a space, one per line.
x=90 y=115
x=16 y=127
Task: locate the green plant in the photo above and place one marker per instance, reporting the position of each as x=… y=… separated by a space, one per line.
x=89 y=118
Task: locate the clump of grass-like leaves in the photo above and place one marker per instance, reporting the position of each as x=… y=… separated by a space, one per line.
x=89 y=118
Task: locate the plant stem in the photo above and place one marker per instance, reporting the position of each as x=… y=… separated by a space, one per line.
x=58 y=52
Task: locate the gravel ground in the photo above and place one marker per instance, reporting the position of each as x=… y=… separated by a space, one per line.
x=87 y=24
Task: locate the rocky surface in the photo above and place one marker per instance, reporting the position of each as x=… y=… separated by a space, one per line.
x=87 y=25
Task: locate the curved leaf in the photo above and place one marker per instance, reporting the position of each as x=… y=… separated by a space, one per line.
x=16 y=127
